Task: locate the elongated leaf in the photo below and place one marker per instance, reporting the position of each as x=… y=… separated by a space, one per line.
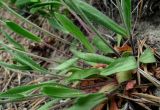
x=96 y=16
x=91 y=57
x=19 y=89
x=48 y=105
x=61 y=92
x=147 y=56
x=88 y=102
x=56 y=25
x=52 y=3
x=82 y=74
x=74 y=30
x=101 y=45
x=66 y=64
x=126 y=12
x=29 y=62
x=120 y=65
x=12 y=41
x=13 y=66
x=24 y=2
x=23 y=32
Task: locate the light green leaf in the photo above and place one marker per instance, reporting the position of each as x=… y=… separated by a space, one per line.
x=61 y=92
x=23 y=32
x=126 y=12
x=101 y=45
x=91 y=57
x=29 y=62
x=120 y=65
x=123 y=76
x=98 y=17
x=66 y=64
x=13 y=66
x=82 y=74
x=47 y=105
x=147 y=56
x=74 y=30
x=88 y=102
x=12 y=41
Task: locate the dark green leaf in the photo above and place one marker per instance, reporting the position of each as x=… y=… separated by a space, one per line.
x=120 y=65
x=61 y=92
x=98 y=17
x=147 y=56
x=88 y=102
x=126 y=12
x=82 y=74
x=23 y=32
x=74 y=30
x=91 y=57
x=24 y=2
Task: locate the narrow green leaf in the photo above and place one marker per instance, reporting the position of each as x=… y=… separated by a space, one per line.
x=52 y=3
x=120 y=65
x=126 y=12
x=24 y=2
x=88 y=102
x=91 y=57
x=56 y=25
x=61 y=92
x=98 y=17
x=74 y=30
x=82 y=74
x=47 y=105
x=101 y=45
x=66 y=64
x=23 y=32
x=13 y=66
x=12 y=41
x=29 y=62
x=147 y=56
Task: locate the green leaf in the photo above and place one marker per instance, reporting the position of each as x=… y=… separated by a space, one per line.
x=56 y=25
x=126 y=12
x=24 y=2
x=88 y=102
x=82 y=74
x=91 y=57
x=123 y=76
x=47 y=105
x=120 y=65
x=61 y=92
x=23 y=32
x=101 y=45
x=28 y=61
x=98 y=17
x=147 y=56
x=74 y=30
x=21 y=89
x=13 y=66
x=12 y=41
x=66 y=64
x=52 y=3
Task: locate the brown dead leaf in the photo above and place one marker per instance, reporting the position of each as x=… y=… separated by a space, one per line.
x=113 y=105
x=124 y=48
x=100 y=107
x=130 y=85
